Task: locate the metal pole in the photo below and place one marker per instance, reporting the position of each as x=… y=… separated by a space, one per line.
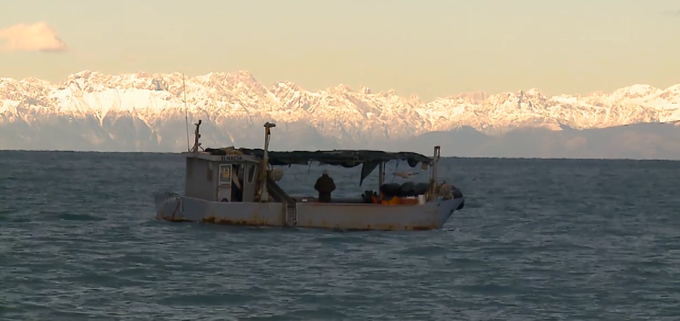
x=186 y=111
x=435 y=168
x=264 y=195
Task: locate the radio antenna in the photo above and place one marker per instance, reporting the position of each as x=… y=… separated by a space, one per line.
x=186 y=112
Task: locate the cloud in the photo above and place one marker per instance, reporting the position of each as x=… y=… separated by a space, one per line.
x=31 y=37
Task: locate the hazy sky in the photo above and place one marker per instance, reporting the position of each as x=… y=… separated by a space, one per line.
x=425 y=47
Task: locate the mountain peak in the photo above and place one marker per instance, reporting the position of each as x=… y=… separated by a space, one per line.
x=340 y=89
x=364 y=90
x=84 y=74
x=636 y=91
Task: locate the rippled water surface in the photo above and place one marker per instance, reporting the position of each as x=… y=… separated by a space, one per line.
x=537 y=240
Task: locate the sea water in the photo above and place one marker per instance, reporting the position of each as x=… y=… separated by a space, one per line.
x=537 y=240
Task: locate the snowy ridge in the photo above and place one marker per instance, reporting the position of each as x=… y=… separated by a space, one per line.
x=142 y=110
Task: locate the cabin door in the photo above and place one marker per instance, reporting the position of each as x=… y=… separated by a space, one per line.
x=224 y=187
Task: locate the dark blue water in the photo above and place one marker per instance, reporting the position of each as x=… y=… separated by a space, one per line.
x=537 y=240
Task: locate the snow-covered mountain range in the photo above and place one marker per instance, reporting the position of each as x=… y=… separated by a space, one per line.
x=142 y=111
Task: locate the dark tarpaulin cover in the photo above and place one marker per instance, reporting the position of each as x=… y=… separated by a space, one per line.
x=370 y=159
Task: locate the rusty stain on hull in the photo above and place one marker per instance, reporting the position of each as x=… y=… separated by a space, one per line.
x=172 y=219
x=324 y=225
x=175 y=211
x=390 y=228
x=255 y=221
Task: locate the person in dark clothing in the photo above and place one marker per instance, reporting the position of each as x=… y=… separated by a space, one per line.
x=325 y=185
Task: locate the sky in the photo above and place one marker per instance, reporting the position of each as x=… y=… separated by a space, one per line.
x=430 y=48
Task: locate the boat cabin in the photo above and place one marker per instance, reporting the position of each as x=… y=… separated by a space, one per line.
x=221 y=178
x=243 y=175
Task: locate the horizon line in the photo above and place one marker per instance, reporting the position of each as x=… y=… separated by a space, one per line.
x=450 y=157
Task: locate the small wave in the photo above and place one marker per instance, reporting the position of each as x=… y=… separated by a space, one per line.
x=14 y=219
x=307 y=314
x=78 y=217
x=488 y=289
x=344 y=239
x=209 y=299
x=425 y=251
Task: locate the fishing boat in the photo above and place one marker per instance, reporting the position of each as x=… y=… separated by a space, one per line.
x=238 y=186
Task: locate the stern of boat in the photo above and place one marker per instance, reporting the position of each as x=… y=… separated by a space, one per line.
x=168 y=206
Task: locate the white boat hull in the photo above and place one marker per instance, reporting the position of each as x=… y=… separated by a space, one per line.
x=343 y=216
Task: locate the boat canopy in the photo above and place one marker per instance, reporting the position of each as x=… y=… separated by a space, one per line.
x=369 y=159
x=344 y=158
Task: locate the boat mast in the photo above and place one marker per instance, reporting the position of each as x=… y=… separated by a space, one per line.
x=435 y=170
x=186 y=111
x=264 y=195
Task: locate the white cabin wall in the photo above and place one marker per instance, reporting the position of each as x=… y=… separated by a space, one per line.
x=200 y=182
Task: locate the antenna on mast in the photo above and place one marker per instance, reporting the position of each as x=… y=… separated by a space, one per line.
x=186 y=112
